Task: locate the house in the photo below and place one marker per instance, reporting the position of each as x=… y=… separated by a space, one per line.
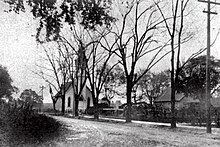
x=84 y=103
x=181 y=100
x=215 y=102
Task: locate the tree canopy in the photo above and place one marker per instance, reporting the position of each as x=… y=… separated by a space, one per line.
x=54 y=13
x=193 y=76
x=154 y=84
x=31 y=97
x=6 y=87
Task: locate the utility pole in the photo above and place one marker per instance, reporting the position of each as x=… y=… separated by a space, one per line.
x=42 y=94
x=208 y=96
x=42 y=90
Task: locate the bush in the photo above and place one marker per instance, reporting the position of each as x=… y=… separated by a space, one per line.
x=144 y=111
x=197 y=116
x=90 y=111
x=26 y=126
x=216 y=113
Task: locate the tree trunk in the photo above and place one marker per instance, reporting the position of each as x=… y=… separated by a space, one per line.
x=173 y=88
x=63 y=104
x=129 y=104
x=54 y=106
x=173 y=111
x=76 y=105
x=96 y=113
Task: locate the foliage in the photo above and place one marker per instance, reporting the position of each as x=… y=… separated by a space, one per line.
x=53 y=14
x=217 y=116
x=6 y=87
x=31 y=97
x=196 y=116
x=193 y=76
x=153 y=84
x=115 y=78
x=115 y=75
x=146 y=112
x=23 y=126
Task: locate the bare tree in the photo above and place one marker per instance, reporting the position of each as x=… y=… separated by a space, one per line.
x=54 y=15
x=74 y=50
x=92 y=53
x=54 y=72
x=175 y=30
x=98 y=56
x=76 y=63
x=138 y=37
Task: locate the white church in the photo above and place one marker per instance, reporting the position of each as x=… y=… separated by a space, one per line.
x=85 y=100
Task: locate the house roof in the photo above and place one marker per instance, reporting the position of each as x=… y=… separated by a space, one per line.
x=215 y=102
x=166 y=96
x=67 y=86
x=58 y=94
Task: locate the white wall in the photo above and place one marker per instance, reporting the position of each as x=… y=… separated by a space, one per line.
x=86 y=94
x=69 y=93
x=59 y=104
x=82 y=104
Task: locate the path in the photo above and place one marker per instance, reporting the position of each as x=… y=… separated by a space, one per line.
x=84 y=133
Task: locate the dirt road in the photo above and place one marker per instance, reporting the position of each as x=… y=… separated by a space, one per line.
x=83 y=133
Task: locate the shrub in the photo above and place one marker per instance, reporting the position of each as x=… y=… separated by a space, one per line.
x=90 y=111
x=26 y=126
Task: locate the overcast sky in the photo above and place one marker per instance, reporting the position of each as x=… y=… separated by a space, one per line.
x=18 y=48
x=19 y=51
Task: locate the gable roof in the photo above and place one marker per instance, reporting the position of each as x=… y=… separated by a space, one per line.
x=67 y=86
x=166 y=96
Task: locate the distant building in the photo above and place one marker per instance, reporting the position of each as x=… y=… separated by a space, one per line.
x=181 y=100
x=215 y=102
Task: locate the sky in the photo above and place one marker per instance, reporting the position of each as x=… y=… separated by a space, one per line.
x=19 y=51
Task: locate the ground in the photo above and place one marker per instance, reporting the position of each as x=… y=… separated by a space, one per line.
x=85 y=133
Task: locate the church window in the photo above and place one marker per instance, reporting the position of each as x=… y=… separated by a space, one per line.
x=69 y=102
